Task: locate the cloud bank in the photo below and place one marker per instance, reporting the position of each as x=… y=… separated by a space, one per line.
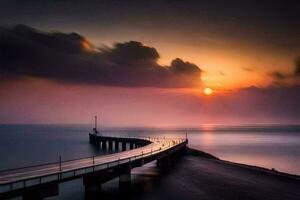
x=71 y=58
x=297 y=66
x=287 y=79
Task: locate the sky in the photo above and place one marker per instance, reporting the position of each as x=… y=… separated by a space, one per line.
x=146 y=63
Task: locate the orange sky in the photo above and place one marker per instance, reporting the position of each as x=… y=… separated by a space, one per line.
x=236 y=45
x=227 y=63
x=40 y=101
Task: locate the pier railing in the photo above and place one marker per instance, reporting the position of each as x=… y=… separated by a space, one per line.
x=91 y=166
x=151 y=139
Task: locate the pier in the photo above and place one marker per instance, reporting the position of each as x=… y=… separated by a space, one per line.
x=41 y=181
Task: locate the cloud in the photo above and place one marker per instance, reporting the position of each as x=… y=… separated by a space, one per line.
x=181 y=67
x=71 y=58
x=297 y=66
x=279 y=76
x=283 y=79
x=131 y=52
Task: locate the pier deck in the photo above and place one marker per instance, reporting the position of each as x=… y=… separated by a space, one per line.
x=16 y=182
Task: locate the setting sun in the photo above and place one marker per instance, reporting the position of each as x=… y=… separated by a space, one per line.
x=208 y=91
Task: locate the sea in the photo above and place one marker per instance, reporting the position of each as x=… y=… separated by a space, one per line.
x=268 y=146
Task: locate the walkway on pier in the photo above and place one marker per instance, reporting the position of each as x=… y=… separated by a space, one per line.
x=14 y=182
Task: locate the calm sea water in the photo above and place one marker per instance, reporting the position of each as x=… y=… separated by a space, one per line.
x=267 y=146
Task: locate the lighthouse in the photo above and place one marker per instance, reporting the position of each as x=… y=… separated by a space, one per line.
x=95 y=131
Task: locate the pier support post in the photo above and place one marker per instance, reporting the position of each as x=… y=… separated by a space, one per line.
x=32 y=196
x=164 y=163
x=131 y=145
x=123 y=146
x=89 y=188
x=110 y=144
x=104 y=146
x=41 y=192
x=92 y=185
x=91 y=191
x=125 y=180
x=116 y=146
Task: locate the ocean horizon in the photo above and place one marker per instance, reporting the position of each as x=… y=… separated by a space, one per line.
x=270 y=146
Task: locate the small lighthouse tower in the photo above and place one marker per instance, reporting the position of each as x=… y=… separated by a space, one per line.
x=95 y=131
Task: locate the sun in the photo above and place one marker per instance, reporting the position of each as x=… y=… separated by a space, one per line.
x=208 y=91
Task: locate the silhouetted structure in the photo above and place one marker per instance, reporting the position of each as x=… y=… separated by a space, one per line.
x=38 y=182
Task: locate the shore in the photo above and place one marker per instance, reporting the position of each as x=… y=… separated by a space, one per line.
x=199 y=175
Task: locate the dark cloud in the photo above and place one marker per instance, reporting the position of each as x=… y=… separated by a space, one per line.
x=297 y=66
x=180 y=67
x=25 y=51
x=131 y=52
x=278 y=75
